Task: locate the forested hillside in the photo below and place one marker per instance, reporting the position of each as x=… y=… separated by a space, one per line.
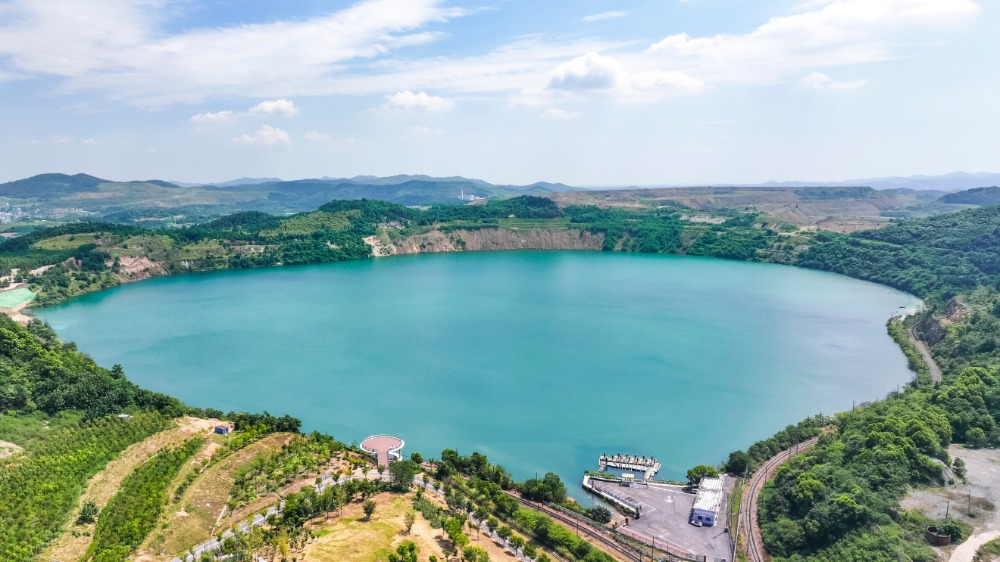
x=840 y=501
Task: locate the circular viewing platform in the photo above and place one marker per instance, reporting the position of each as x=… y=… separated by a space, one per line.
x=385 y=448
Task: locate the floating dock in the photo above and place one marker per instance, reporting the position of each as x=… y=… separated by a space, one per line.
x=648 y=466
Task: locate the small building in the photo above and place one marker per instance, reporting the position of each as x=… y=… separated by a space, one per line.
x=708 y=502
x=224 y=428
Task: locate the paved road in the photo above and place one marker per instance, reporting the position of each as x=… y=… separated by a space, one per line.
x=748 y=519
x=967 y=550
x=926 y=355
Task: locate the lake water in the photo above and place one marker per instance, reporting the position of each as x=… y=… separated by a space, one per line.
x=542 y=360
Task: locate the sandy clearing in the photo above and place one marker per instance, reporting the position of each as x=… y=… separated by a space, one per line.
x=981 y=494
x=7 y=449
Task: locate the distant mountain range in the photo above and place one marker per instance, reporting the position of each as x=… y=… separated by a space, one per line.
x=947 y=182
x=63 y=197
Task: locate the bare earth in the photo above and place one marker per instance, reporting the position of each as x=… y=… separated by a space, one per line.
x=982 y=494
x=351 y=538
x=7 y=449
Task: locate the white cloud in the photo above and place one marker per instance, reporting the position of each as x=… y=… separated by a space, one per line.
x=419 y=102
x=266 y=135
x=214 y=118
x=122 y=47
x=670 y=80
x=588 y=72
x=275 y=107
x=316 y=136
x=840 y=32
x=419 y=132
x=820 y=81
x=89 y=141
x=605 y=16
x=559 y=114
x=595 y=73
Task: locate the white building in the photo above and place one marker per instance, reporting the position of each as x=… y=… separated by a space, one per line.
x=707 y=502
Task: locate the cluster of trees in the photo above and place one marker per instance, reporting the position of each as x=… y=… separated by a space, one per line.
x=741 y=462
x=38 y=372
x=475 y=465
x=973 y=336
x=854 y=478
x=549 y=489
x=556 y=537
x=934 y=257
x=134 y=509
x=39 y=490
x=481 y=495
x=266 y=474
x=244 y=421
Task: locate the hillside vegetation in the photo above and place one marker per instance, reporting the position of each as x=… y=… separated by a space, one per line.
x=839 y=501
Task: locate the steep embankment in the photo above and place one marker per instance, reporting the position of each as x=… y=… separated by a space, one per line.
x=492 y=239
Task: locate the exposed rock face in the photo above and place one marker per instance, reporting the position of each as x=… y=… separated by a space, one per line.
x=134 y=269
x=488 y=239
x=930 y=330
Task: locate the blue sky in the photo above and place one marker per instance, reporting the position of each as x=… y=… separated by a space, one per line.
x=586 y=92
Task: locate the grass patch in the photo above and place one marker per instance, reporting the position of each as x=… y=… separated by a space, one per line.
x=67 y=241
x=28 y=430
x=516 y=223
x=10 y=299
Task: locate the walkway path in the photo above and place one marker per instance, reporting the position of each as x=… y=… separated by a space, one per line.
x=748 y=519
x=967 y=550
x=925 y=353
x=326 y=480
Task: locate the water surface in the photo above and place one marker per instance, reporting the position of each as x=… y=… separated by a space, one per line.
x=542 y=360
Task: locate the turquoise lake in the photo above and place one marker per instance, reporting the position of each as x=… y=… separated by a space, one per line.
x=541 y=360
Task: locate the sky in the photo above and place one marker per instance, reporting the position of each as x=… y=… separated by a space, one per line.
x=584 y=92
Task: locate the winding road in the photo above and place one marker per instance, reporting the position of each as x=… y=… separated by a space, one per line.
x=925 y=353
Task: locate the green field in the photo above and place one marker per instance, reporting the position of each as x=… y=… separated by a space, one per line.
x=10 y=299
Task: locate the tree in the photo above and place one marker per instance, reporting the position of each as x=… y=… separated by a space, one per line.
x=696 y=474
x=88 y=514
x=416 y=457
x=530 y=551
x=517 y=543
x=600 y=514
x=402 y=472
x=369 y=509
x=975 y=438
x=406 y=552
x=408 y=520
x=504 y=532
x=738 y=463
x=959 y=467
x=549 y=489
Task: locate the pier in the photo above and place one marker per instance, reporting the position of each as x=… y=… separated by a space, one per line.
x=648 y=466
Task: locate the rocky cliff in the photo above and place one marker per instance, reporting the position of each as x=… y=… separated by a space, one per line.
x=489 y=239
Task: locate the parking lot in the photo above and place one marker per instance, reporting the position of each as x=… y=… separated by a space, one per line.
x=665 y=512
